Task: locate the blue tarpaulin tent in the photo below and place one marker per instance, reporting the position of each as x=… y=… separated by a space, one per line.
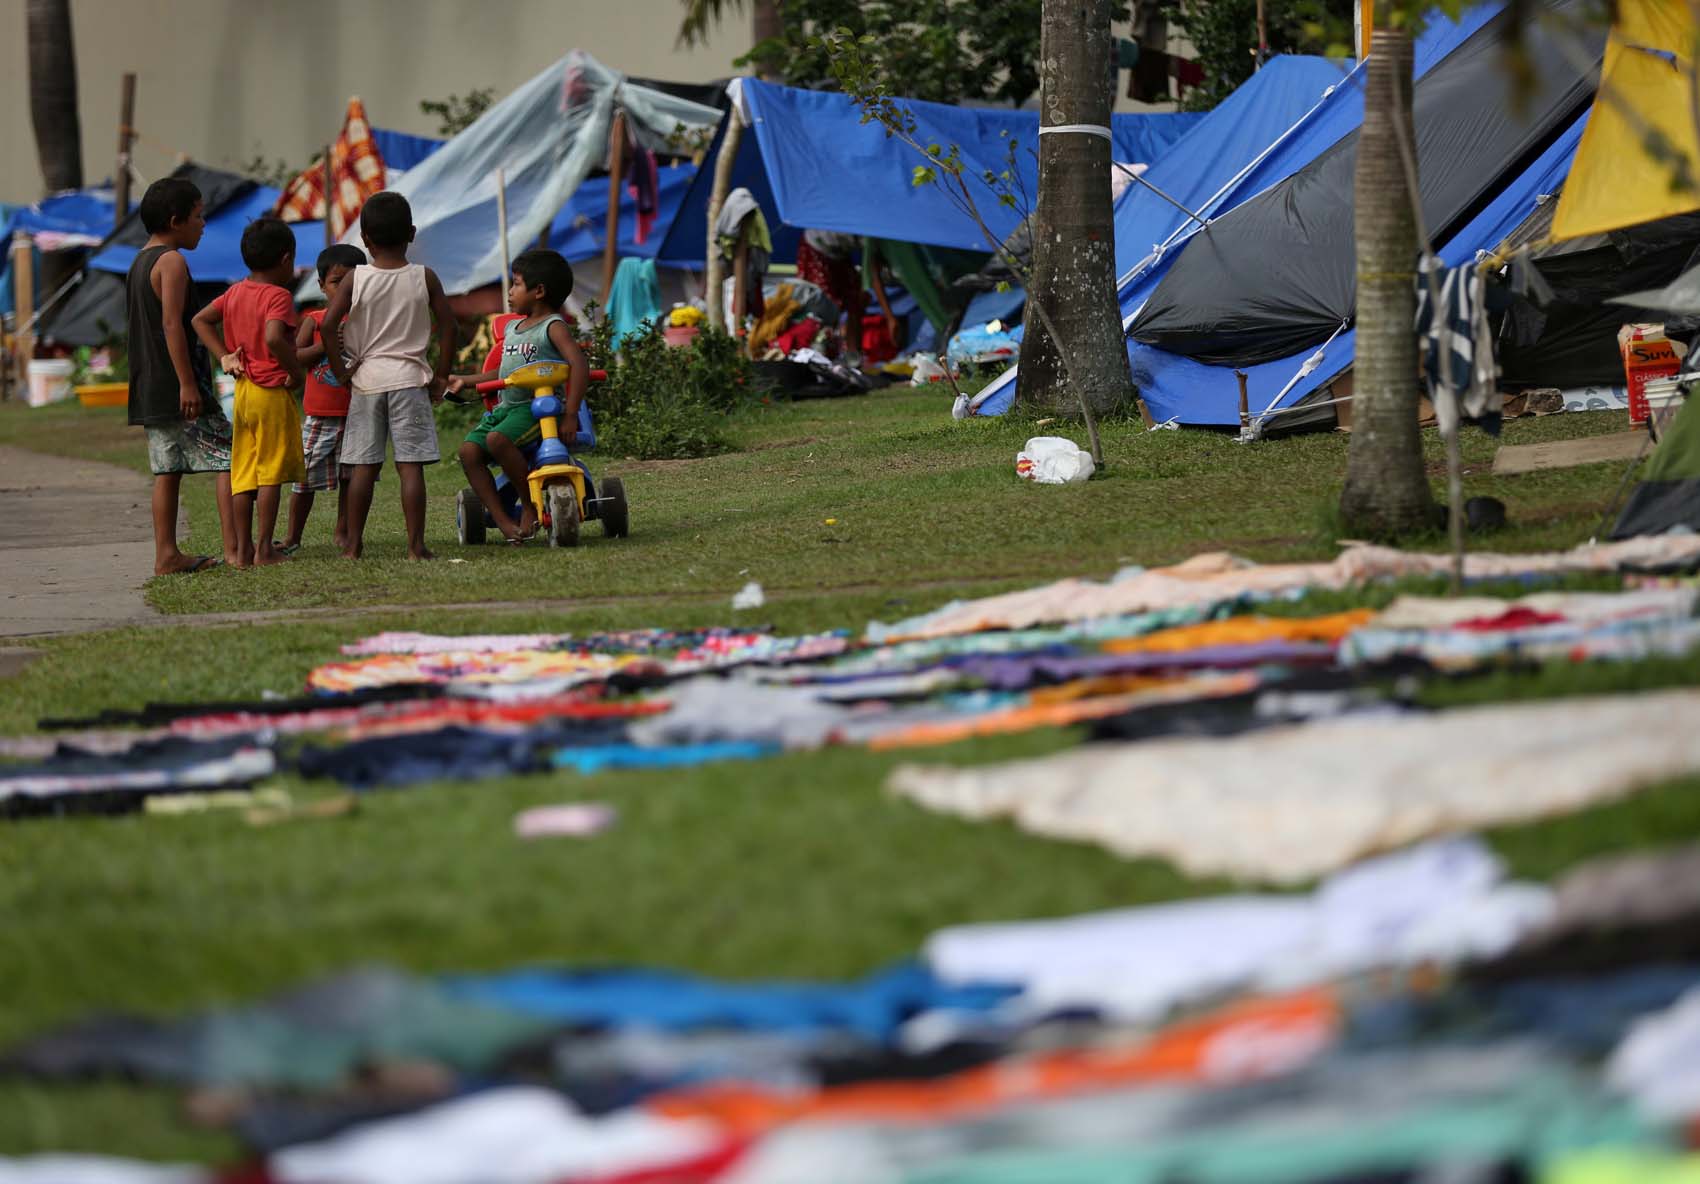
x=1175 y=387
x=581 y=227
x=811 y=163
x=1208 y=159
x=84 y=214
x=1178 y=387
x=402 y=151
x=77 y=218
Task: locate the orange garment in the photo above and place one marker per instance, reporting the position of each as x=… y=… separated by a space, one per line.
x=1248 y=1039
x=1069 y=703
x=1243 y=631
x=357 y=172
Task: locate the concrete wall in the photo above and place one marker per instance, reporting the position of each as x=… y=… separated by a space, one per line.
x=226 y=80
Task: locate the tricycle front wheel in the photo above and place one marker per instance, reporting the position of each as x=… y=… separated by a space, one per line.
x=563 y=515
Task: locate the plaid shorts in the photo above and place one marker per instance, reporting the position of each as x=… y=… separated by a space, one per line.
x=321 y=445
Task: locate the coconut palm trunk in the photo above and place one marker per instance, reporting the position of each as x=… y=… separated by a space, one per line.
x=53 y=94
x=1073 y=267
x=1386 y=492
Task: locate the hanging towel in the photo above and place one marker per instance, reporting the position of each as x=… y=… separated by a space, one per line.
x=1459 y=346
x=634 y=298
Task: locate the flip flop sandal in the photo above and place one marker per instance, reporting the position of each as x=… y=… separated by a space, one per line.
x=202 y=563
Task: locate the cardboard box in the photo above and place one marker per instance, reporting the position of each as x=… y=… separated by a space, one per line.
x=1647 y=354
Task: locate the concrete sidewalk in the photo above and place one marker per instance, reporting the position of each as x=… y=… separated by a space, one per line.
x=76 y=545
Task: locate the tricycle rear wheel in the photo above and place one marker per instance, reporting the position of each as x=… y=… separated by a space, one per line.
x=469 y=518
x=611 y=508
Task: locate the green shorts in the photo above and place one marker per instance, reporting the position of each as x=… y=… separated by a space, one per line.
x=513 y=420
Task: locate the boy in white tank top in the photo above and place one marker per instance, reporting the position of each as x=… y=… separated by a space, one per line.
x=381 y=318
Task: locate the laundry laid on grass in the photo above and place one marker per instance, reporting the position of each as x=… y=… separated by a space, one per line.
x=1210 y=649
x=1286 y=804
x=1367 y=1030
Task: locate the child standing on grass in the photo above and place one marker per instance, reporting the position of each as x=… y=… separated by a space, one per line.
x=171 y=387
x=326 y=405
x=258 y=346
x=388 y=307
x=542 y=282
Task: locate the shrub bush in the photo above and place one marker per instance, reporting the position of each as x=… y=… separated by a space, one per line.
x=662 y=403
x=658 y=402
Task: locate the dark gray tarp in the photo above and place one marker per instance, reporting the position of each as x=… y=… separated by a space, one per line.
x=1570 y=340
x=94 y=311
x=1277 y=275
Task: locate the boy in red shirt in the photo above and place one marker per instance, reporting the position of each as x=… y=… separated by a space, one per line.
x=258 y=347
x=326 y=404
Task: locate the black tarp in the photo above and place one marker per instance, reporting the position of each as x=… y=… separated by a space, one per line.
x=1569 y=339
x=94 y=311
x=1277 y=275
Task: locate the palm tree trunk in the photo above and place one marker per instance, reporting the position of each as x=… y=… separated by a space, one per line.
x=1386 y=492
x=53 y=94
x=767 y=23
x=1073 y=268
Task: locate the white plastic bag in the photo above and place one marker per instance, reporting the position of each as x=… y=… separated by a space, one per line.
x=927 y=369
x=1053 y=460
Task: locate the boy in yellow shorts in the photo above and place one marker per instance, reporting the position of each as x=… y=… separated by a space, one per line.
x=258 y=319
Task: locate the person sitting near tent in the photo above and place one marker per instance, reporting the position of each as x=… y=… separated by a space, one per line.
x=542 y=282
x=828 y=260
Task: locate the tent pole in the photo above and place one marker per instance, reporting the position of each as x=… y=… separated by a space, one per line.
x=23 y=290
x=502 y=231
x=616 y=180
x=24 y=305
x=330 y=231
x=1196 y=218
x=1262 y=35
x=126 y=129
x=1245 y=405
x=714 y=269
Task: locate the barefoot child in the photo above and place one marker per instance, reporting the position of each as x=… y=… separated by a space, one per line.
x=258 y=319
x=388 y=307
x=171 y=387
x=542 y=282
x=326 y=405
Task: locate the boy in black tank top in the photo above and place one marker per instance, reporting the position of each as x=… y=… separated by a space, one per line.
x=171 y=389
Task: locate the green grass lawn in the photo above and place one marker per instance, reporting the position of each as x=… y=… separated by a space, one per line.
x=799 y=865
x=918 y=499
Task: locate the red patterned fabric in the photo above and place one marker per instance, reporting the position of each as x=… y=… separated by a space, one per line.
x=357 y=172
x=838 y=278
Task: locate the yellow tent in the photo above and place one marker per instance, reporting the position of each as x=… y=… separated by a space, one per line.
x=1644 y=94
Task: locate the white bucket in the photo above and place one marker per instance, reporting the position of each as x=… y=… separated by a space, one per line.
x=50 y=380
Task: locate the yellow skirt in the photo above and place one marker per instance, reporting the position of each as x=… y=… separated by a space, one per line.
x=265 y=440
